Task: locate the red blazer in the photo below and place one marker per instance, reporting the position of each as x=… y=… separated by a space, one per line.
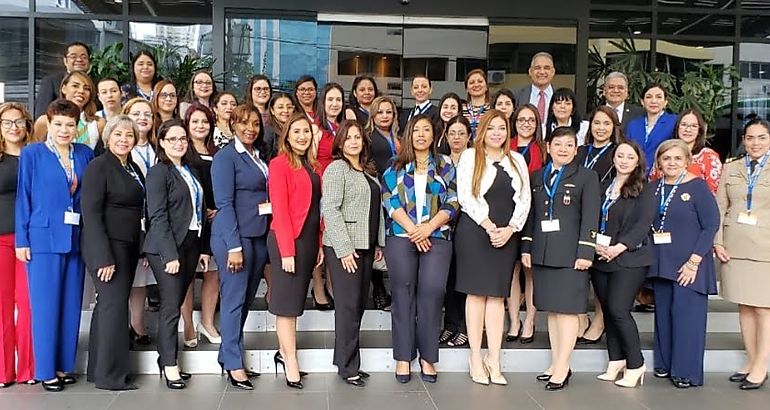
x=290 y=193
x=325 y=145
x=534 y=158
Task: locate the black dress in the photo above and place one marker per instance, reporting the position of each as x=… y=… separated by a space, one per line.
x=289 y=290
x=481 y=268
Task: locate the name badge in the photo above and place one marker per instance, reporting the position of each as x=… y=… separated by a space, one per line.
x=603 y=240
x=71 y=218
x=550 y=225
x=661 y=238
x=144 y=227
x=747 y=219
x=265 y=208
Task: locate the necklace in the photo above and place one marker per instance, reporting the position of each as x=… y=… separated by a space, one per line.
x=421 y=164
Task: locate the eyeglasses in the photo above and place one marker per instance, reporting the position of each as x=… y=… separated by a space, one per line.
x=203 y=83
x=526 y=121
x=20 y=123
x=73 y=57
x=163 y=96
x=174 y=141
x=689 y=126
x=307 y=90
x=262 y=89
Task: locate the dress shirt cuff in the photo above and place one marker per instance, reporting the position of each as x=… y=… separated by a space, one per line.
x=238 y=249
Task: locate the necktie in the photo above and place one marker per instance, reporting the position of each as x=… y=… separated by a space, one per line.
x=553 y=176
x=753 y=165
x=619 y=112
x=541 y=106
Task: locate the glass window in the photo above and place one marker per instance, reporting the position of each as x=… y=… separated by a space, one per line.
x=626 y=54
x=755 y=27
x=761 y=5
x=699 y=4
x=165 y=8
x=434 y=68
x=754 y=95
x=14 y=5
x=78 y=6
x=694 y=24
x=613 y=22
x=14 y=55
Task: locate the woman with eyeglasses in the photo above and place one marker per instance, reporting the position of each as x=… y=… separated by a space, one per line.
x=48 y=240
x=17 y=364
x=202 y=89
x=224 y=104
x=177 y=238
x=305 y=93
x=165 y=102
x=259 y=91
x=143 y=156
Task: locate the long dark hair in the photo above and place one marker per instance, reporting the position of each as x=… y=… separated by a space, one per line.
x=302 y=80
x=700 y=139
x=323 y=120
x=407 y=155
x=617 y=130
x=187 y=158
x=633 y=186
x=209 y=141
x=248 y=99
x=365 y=157
x=155 y=77
x=353 y=101
x=562 y=94
x=538 y=136
x=272 y=120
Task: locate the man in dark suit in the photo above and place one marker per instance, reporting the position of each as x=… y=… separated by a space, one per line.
x=76 y=57
x=616 y=93
x=540 y=91
x=421 y=90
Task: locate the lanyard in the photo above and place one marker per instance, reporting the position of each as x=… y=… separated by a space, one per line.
x=665 y=200
x=551 y=192
x=258 y=161
x=608 y=202
x=590 y=164
x=138 y=180
x=145 y=157
x=187 y=175
x=68 y=172
x=392 y=143
x=418 y=111
x=753 y=178
x=332 y=128
x=525 y=150
x=141 y=93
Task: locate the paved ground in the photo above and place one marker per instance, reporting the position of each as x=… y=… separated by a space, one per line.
x=453 y=391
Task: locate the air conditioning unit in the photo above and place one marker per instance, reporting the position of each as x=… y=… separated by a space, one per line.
x=496 y=76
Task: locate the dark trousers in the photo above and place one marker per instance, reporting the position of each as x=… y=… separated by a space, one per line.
x=680 y=330
x=454 y=302
x=616 y=291
x=418 y=283
x=108 y=344
x=351 y=291
x=173 y=289
x=236 y=291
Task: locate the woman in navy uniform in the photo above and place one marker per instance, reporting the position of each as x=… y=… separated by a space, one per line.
x=683 y=274
x=48 y=239
x=557 y=243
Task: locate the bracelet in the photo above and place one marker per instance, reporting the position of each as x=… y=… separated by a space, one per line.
x=691 y=265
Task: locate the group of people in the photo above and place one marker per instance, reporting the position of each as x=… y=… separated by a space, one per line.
x=468 y=205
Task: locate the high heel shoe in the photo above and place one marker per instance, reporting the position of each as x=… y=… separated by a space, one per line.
x=192 y=343
x=614 y=367
x=427 y=377
x=528 y=339
x=632 y=376
x=239 y=384
x=512 y=338
x=543 y=377
x=553 y=386
x=586 y=341
x=356 y=380
x=496 y=376
x=738 y=377
x=445 y=335
x=177 y=384
x=201 y=330
x=381 y=298
x=478 y=378
x=53 y=386
x=458 y=340
x=749 y=385
x=67 y=379
x=136 y=338
x=320 y=306
x=278 y=359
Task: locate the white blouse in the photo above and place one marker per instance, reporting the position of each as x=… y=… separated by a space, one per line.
x=477 y=208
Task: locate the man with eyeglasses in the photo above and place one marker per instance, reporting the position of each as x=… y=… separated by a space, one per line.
x=615 y=90
x=539 y=91
x=76 y=57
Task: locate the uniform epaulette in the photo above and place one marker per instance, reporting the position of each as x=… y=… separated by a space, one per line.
x=731 y=159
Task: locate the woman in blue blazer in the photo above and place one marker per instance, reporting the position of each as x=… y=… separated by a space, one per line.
x=239 y=233
x=656 y=126
x=48 y=239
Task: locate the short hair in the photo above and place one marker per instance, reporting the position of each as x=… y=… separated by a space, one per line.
x=29 y=125
x=757 y=121
x=105 y=79
x=540 y=54
x=156 y=75
x=650 y=86
x=162 y=131
x=671 y=144
x=64 y=107
x=616 y=74
x=562 y=132
x=153 y=125
x=120 y=120
x=77 y=44
x=242 y=113
x=700 y=139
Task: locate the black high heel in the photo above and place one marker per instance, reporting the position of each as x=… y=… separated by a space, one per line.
x=55 y=386
x=136 y=338
x=586 y=341
x=551 y=386
x=320 y=306
x=177 y=384
x=278 y=359
x=529 y=339
x=749 y=385
x=240 y=384
x=512 y=338
x=67 y=379
x=381 y=299
x=427 y=377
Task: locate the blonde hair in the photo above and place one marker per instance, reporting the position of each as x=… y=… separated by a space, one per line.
x=479 y=163
x=284 y=147
x=369 y=128
x=139 y=100
x=5 y=107
x=668 y=145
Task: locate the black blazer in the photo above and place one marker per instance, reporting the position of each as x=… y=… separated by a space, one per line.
x=169 y=209
x=578 y=218
x=111 y=203
x=629 y=222
x=603 y=166
x=49 y=90
x=630 y=113
x=403 y=117
x=380 y=149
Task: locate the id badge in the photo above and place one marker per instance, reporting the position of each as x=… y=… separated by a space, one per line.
x=144 y=227
x=71 y=218
x=661 y=238
x=603 y=240
x=265 y=208
x=550 y=225
x=747 y=219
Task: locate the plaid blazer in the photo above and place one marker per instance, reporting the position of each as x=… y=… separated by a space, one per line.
x=440 y=195
x=345 y=209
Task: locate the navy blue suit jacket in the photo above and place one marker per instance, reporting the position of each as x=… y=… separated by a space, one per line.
x=663 y=130
x=239 y=188
x=44 y=196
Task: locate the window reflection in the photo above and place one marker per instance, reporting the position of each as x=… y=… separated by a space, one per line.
x=13 y=59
